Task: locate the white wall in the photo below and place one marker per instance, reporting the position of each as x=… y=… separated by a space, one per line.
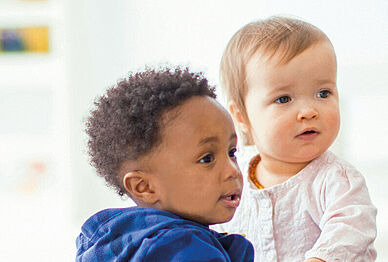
x=34 y=141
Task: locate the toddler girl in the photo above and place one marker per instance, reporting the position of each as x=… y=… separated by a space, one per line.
x=302 y=201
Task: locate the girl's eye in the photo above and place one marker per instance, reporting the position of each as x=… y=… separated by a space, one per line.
x=232 y=153
x=207 y=159
x=283 y=100
x=323 y=94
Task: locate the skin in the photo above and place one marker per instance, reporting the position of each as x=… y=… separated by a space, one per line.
x=193 y=171
x=282 y=102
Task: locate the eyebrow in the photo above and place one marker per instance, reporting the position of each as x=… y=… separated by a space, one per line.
x=282 y=88
x=325 y=81
x=285 y=88
x=279 y=89
x=211 y=139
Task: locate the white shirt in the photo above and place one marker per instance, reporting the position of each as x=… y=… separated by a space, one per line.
x=324 y=211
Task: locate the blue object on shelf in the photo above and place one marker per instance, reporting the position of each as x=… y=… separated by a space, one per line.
x=11 y=41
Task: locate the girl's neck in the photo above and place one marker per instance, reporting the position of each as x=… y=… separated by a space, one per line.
x=270 y=171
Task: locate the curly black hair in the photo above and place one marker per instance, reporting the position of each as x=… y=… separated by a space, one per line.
x=127 y=121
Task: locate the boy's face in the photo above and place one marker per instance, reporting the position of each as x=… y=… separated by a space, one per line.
x=195 y=169
x=293 y=108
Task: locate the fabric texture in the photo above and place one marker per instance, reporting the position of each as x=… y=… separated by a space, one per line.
x=147 y=234
x=324 y=211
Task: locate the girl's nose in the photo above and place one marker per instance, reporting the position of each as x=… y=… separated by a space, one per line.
x=307 y=113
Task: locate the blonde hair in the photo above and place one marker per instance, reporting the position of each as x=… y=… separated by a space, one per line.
x=284 y=36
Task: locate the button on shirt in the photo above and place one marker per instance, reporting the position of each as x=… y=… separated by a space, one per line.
x=324 y=211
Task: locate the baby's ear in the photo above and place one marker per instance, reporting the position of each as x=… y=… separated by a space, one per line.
x=139 y=185
x=239 y=117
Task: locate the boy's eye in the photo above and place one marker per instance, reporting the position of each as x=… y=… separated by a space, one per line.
x=207 y=159
x=283 y=100
x=232 y=153
x=323 y=94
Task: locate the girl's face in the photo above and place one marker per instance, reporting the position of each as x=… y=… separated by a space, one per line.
x=292 y=109
x=195 y=169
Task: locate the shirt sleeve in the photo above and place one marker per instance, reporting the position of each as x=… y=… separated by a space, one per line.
x=348 y=224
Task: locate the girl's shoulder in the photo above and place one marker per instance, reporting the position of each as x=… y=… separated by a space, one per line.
x=331 y=167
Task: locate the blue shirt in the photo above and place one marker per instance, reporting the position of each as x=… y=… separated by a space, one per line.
x=147 y=234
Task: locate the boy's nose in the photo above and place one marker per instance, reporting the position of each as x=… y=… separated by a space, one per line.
x=307 y=113
x=232 y=170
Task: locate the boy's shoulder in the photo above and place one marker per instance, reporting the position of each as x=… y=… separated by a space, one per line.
x=138 y=222
x=112 y=231
x=150 y=233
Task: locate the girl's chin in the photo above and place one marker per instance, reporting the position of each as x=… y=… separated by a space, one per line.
x=300 y=157
x=307 y=157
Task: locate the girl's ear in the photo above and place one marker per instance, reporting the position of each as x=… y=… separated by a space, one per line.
x=242 y=122
x=139 y=185
x=239 y=118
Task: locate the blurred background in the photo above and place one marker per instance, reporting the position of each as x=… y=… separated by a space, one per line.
x=56 y=56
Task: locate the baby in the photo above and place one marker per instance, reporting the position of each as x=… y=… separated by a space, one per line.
x=161 y=138
x=302 y=202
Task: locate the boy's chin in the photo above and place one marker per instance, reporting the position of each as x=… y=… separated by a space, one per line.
x=222 y=220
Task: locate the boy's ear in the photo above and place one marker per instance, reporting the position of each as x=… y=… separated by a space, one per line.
x=238 y=117
x=139 y=185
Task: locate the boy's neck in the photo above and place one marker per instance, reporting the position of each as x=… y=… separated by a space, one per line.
x=270 y=172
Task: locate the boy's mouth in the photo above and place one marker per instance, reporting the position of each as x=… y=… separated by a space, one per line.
x=232 y=199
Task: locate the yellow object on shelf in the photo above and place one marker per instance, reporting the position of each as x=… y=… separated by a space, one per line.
x=36 y=39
